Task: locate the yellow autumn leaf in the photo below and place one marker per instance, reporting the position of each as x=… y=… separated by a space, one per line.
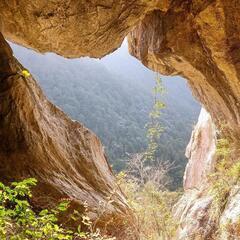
x=26 y=73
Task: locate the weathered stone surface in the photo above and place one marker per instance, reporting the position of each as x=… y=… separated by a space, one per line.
x=192 y=212
x=38 y=140
x=72 y=28
x=230 y=219
x=200 y=152
x=193 y=209
x=199 y=40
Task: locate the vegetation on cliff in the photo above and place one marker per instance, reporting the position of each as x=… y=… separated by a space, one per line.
x=20 y=221
x=151 y=203
x=225 y=178
x=152 y=207
x=146 y=181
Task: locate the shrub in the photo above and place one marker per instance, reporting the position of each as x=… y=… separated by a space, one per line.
x=19 y=221
x=226 y=175
x=152 y=207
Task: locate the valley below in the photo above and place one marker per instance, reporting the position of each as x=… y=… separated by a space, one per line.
x=92 y=140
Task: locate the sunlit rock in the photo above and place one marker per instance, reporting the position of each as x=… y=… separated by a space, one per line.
x=38 y=140
x=230 y=219
x=73 y=28
x=200 y=152
x=192 y=213
x=197 y=39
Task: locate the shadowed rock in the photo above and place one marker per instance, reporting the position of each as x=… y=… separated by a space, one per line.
x=38 y=140
x=73 y=28
x=197 y=39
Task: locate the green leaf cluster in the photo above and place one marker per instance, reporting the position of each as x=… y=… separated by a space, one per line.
x=19 y=221
x=154 y=128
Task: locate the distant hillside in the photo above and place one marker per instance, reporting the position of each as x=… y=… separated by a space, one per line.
x=113 y=97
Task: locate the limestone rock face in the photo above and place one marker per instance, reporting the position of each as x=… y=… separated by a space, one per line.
x=192 y=210
x=72 y=28
x=230 y=217
x=200 y=152
x=199 y=40
x=38 y=140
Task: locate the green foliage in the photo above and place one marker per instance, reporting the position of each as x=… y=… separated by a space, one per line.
x=226 y=175
x=18 y=220
x=223 y=149
x=154 y=127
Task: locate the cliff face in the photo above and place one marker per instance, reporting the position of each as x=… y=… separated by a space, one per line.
x=200 y=152
x=200 y=41
x=197 y=39
x=38 y=140
x=192 y=210
x=73 y=28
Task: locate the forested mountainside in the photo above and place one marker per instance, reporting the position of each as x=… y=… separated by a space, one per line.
x=113 y=97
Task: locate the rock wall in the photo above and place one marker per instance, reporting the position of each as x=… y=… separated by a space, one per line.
x=198 y=39
x=38 y=140
x=73 y=28
x=201 y=153
x=192 y=210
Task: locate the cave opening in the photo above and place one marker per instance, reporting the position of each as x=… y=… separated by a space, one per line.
x=113 y=97
x=195 y=39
